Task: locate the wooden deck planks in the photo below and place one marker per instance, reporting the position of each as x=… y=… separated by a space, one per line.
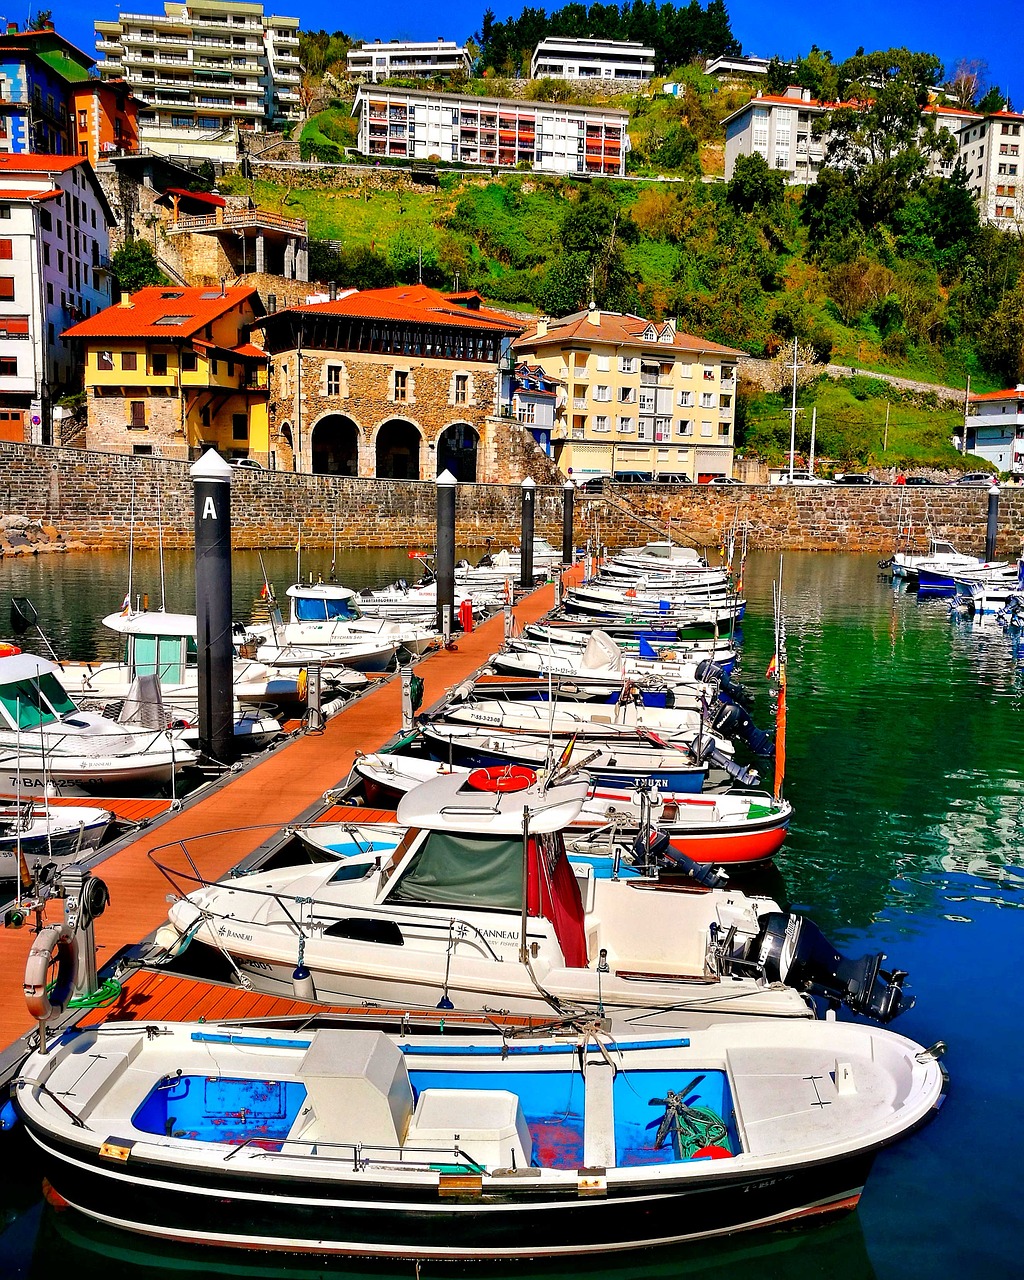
x=282 y=786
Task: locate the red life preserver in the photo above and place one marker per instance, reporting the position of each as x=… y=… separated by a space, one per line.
x=512 y=777
x=9 y=650
x=46 y=1000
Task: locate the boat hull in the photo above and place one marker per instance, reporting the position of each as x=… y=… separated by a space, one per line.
x=373 y=1219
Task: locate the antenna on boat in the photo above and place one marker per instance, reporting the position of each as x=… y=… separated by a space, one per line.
x=334 y=553
x=298 y=555
x=523 y=954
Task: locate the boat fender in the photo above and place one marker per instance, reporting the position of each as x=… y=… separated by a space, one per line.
x=9 y=650
x=8 y=1116
x=513 y=777
x=55 y=942
x=302 y=984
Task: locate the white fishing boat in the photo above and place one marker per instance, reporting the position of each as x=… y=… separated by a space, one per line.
x=618 y=606
x=562 y=635
x=38 y=832
x=334 y=1140
x=469 y=900
x=602 y=661
x=47 y=741
x=941 y=558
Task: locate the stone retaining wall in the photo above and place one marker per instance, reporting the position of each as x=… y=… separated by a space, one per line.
x=88 y=496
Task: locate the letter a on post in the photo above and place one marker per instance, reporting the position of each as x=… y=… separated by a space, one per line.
x=209 y=509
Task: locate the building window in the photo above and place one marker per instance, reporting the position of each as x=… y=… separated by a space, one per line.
x=49 y=291
x=44 y=217
x=401 y=385
x=527 y=412
x=334 y=379
x=142 y=450
x=705 y=429
x=7 y=288
x=104 y=361
x=625 y=425
x=709 y=374
x=137 y=410
x=604 y=364
x=129 y=360
x=685 y=427
x=189 y=361
x=601 y=422
x=158 y=365
x=603 y=394
x=8 y=366
x=462 y=390
x=723 y=430
x=6 y=248
x=627 y=364
x=707 y=400
x=239 y=426
x=83 y=120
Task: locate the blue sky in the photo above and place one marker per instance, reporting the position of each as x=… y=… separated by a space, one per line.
x=935 y=26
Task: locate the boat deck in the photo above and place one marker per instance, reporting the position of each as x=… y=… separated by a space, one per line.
x=279 y=788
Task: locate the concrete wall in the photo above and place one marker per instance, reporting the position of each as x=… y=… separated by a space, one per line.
x=88 y=497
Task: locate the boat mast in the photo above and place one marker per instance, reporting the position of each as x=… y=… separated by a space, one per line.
x=131 y=542
x=160 y=541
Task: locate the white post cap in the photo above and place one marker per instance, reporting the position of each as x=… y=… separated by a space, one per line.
x=446 y=478
x=211 y=466
x=529 y=483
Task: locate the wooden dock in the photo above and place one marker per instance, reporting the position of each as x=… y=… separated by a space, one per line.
x=280 y=788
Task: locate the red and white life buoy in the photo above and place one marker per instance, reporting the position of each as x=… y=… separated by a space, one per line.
x=45 y=998
x=9 y=650
x=512 y=777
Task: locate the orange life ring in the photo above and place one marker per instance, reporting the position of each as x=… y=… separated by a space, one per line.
x=512 y=777
x=45 y=999
x=9 y=650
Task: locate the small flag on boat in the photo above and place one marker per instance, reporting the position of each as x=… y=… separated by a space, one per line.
x=515 y=627
x=773 y=668
x=566 y=755
x=126 y=604
x=647 y=650
x=264 y=592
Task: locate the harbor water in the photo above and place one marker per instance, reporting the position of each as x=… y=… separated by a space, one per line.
x=905 y=764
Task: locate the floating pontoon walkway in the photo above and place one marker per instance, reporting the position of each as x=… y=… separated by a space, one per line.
x=280 y=788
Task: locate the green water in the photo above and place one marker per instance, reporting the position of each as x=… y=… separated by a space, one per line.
x=906 y=767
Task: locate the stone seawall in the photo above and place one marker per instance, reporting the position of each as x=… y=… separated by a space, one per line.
x=89 y=498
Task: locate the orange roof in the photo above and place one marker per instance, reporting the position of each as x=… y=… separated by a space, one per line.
x=1014 y=393
x=187 y=310
x=615 y=328
x=25 y=193
x=414 y=304
x=22 y=163
x=201 y=197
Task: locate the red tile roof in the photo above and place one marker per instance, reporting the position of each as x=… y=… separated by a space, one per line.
x=10 y=163
x=615 y=328
x=26 y=193
x=1014 y=393
x=197 y=307
x=414 y=304
x=203 y=197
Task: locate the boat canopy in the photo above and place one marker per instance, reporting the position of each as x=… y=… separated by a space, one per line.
x=155 y=623
x=601 y=651
x=323 y=603
x=36 y=699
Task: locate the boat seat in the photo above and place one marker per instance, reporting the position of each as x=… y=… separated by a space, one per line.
x=599 y=1116
x=486 y=1125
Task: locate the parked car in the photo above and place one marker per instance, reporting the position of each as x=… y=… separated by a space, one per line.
x=801 y=477
x=919 y=480
x=247 y=464
x=979 y=478
x=633 y=477
x=673 y=477
x=851 y=477
x=724 y=480
x=591 y=484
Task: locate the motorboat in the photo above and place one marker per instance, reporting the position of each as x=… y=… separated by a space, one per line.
x=617 y=606
x=641 y=643
x=741 y=829
x=37 y=831
x=940 y=564
x=602 y=660
x=988 y=591
x=340 y=1140
x=469 y=899
x=46 y=740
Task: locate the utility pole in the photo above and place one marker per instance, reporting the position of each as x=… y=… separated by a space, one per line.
x=885 y=437
x=967 y=409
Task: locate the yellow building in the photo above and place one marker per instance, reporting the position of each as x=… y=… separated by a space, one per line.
x=170 y=372
x=641 y=397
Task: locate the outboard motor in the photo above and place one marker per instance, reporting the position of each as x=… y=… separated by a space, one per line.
x=653 y=851
x=708 y=753
x=731 y=721
x=793 y=950
x=708 y=672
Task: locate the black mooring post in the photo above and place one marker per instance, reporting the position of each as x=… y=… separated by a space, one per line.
x=993 y=522
x=445 y=563
x=211 y=478
x=526 y=536
x=568 y=542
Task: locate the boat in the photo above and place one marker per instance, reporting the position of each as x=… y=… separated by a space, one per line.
x=742 y=829
x=988 y=591
x=637 y=643
x=47 y=741
x=338 y=1140
x=616 y=606
x=602 y=661
x=38 y=832
x=469 y=900
x=939 y=564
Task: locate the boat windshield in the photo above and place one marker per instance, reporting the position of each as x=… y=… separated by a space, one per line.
x=465 y=870
x=29 y=703
x=317 y=609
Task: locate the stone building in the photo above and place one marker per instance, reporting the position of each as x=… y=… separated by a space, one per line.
x=395 y=383
x=170 y=372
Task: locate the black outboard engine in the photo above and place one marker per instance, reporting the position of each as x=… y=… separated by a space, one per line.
x=793 y=950
x=653 y=851
x=705 y=751
x=708 y=672
x=731 y=721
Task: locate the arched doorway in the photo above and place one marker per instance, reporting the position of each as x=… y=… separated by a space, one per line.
x=456 y=451
x=287 y=454
x=398 y=451
x=335 y=446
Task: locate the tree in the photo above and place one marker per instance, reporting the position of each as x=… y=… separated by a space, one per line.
x=779 y=75
x=135 y=266
x=566 y=286
x=755 y=185
x=967 y=82
x=995 y=100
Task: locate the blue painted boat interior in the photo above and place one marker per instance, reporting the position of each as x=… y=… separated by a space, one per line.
x=220 y=1108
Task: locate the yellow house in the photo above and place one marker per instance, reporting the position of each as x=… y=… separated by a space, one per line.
x=170 y=371
x=640 y=397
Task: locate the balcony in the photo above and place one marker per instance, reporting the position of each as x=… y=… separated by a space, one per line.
x=579 y=402
x=242 y=218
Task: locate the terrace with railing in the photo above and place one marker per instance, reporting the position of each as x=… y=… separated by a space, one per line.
x=240 y=219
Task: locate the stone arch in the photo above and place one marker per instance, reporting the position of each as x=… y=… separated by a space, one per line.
x=457 y=449
x=334 y=445
x=398 y=445
x=286 y=448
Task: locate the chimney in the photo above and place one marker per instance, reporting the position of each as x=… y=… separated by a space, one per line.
x=126 y=300
x=807 y=95
x=542 y=329
x=794 y=91
x=271 y=303
x=223 y=287
x=332 y=290
x=594 y=315
x=12 y=28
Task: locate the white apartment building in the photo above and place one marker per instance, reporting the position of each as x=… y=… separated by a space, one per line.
x=423 y=124
x=995 y=428
x=572 y=58
x=990 y=148
x=54 y=270
x=423 y=59
x=205 y=71
x=780 y=127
